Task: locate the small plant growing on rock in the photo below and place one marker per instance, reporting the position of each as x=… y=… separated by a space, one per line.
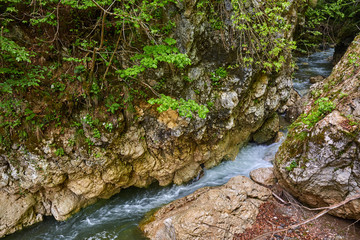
x=292 y=165
x=59 y=152
x=219 y=74
x=185 y=108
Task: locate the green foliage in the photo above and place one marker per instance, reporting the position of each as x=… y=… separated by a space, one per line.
x=354 y=59
x=59 y=152
x=58 y=86
x=322 y=20
x=90 y=144
x=292 y=165
x=342 y=95
x=113 y=107
x=96 y=133
x=71 y=142
x=108 y=126
x=153 y=55
x=322 y=107
x=12 y=74
x=10 y=48
x=262 y=29
x=189 y=80
x=216 y=76
x=210 y=104
x=185 y=108
x=325 y=106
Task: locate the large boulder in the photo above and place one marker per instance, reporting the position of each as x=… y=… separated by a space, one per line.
x=263 y=176
x=320 y=160
x=209 y=213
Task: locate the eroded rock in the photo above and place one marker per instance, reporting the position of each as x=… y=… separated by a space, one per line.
x=316 y=79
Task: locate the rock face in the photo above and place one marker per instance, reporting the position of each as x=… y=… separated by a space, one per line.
x=17 y=212
x=320 y=160
x=62 y=174
x=268 y=130
x=210 y=213
x=294 y=106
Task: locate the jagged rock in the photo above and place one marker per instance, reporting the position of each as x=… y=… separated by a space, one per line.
x=316 y=79
x=263 y=176
x=268 y=131
x=320 y=164
x=210 y=213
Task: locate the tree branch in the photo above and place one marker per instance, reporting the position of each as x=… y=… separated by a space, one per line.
x=326 y=210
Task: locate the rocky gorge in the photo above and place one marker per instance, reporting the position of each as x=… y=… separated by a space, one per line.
x=56 y=177
x=317 y=163
x=60 y=173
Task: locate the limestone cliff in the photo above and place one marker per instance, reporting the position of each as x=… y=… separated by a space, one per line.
x=39 y=180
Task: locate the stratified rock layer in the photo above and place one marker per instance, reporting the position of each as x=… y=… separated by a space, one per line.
x=210 y=213
x=320 y=164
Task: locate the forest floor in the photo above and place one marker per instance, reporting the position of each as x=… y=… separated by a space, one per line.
x=274 y=216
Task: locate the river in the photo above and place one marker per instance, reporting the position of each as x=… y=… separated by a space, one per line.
x=118 y=217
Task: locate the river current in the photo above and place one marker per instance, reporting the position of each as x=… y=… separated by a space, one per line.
x=119 y=216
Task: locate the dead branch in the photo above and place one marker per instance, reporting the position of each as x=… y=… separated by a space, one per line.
x=112 y=57
x=326 y=210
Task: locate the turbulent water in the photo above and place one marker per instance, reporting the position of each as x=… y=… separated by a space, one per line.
x=316 y=64
x=118 y=217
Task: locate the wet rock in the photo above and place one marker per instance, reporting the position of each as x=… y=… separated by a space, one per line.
x=263 y=176
x=187 y=173
x=210 y=213
x=319 y=163
x=279 y=136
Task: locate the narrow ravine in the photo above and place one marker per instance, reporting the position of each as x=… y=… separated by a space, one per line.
x=118 y=217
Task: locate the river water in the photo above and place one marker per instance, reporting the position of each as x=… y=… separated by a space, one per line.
x=118 y=217
x=316 y=64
